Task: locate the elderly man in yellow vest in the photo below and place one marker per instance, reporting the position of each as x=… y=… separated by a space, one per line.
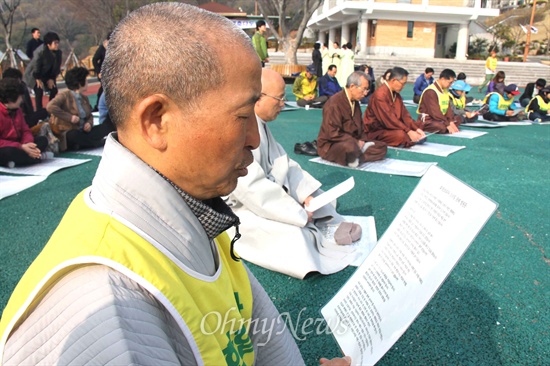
x=434 y=109
x=140 y=271
x=502 y=107
x=306 y=89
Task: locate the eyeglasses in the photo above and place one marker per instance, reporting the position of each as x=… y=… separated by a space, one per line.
x=363 y=90
x=281 y=100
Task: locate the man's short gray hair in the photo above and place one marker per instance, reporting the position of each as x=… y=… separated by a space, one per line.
x=166 y=48
x=355 y=78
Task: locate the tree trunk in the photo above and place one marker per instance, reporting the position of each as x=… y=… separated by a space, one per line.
x=290 y=47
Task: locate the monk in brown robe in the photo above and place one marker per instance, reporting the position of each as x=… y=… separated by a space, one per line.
x=386 y=117
x=342 y=138
x=434 y=109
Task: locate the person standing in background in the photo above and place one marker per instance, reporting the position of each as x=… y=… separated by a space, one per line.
x=34 y=42
x=317 y=59
x=45 y=67
x=97 y=61
x=490 y=69
x=260 y=43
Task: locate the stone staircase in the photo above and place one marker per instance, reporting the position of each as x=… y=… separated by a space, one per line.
x=516 y=72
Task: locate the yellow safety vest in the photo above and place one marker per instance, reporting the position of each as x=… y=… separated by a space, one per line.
x=491 y=63
x=216 y=311
x=503 y=104
x=542 y=104
x=442 y=97
x=460 y=103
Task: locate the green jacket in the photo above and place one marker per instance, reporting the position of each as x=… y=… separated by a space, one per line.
x=260 y=45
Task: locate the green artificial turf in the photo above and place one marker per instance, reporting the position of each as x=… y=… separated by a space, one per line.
x=493 y=308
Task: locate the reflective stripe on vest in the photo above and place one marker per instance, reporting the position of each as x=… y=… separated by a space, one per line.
x=442 y=97
x=542 y=104
x=213 y=312
x=503 y=104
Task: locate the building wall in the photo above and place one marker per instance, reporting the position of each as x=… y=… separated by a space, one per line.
x=391 y=38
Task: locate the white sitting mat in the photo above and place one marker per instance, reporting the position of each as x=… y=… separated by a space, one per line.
x=431 y=148
x=11 y=185
x=465 y=134
x=386 y=166
x=292 y=105
x=45 y=167
x=98 y=151
x=506 y=123
x=409 y=102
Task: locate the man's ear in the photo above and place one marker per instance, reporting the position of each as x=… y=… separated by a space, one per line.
x=151 y=114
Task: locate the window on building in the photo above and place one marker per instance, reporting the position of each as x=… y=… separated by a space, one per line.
x=410 y=29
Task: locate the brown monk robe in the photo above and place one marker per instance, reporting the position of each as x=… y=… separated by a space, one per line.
x=429 y=109
x=386 y=117
x=342 y=138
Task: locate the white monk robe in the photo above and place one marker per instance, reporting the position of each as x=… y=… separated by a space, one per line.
x=275 y=230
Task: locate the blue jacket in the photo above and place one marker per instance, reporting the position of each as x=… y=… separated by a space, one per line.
x=328 y=86
x=421 y=83
x=493 y=105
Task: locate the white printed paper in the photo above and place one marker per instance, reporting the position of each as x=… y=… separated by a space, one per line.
x=327 y=197
x=431 y=148
x=465 y=134
x=424 y=242
x=386 y=166
x=10 y=185
x=98 y=151
x=509 y=123
x=45 y=167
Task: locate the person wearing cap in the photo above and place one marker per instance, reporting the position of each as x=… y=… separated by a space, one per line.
x=260 y=43
x=422 y=82
x=343 y=137
x=305 y=89
x=271 y=203
x=434 y=108
x=502 y=107
x=386 y=117
x=490 y=69
x=458 y=91
x=531 y=91
x=538 y=109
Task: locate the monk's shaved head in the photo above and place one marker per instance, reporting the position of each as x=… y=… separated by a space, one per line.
x=155 y=50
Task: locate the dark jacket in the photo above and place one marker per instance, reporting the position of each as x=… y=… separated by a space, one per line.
x=98 y=58
x=528 y=92
x=32 y=45
x=45 y=65
x=318 y=62
x=328 y=86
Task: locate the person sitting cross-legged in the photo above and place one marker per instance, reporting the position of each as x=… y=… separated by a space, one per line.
x=434 y=109
x=502 y=107
x=538 y=109
x=71 y=115
x=531 y=91
x=328 y=84
x=18 y=147
x=305 y=89
x=386 y=117
x=342 y=137
x=458 y=92
x=271 y=203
